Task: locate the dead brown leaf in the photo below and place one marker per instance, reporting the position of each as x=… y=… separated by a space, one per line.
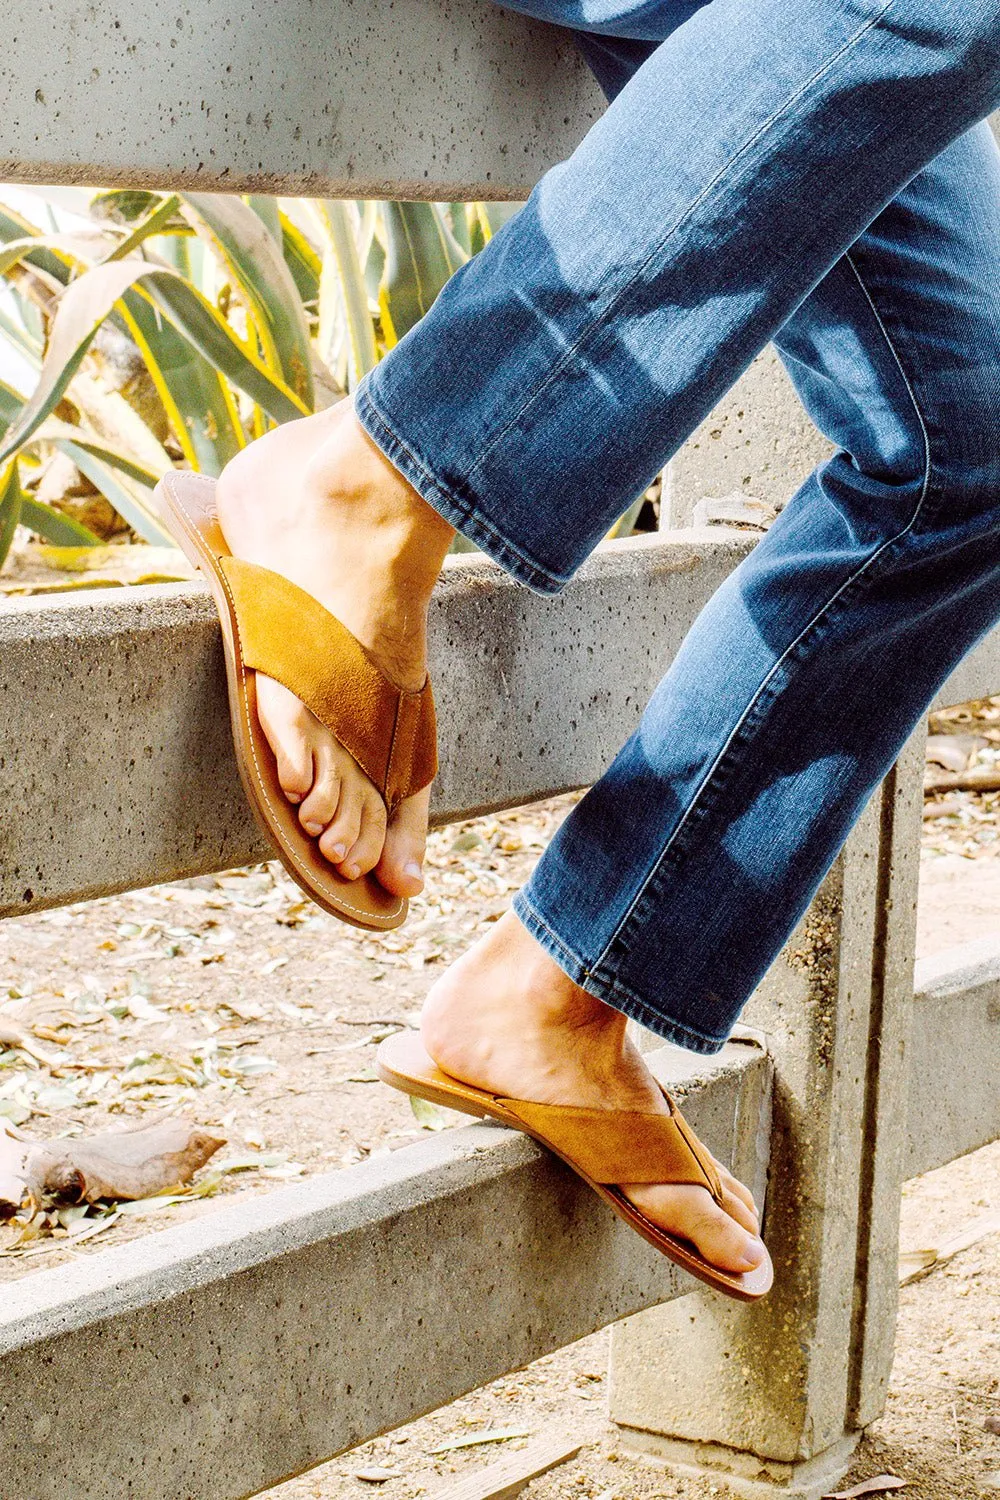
x=12 y=1155
x=118 y=1165
x=882 y=1484
x=953 y=752
x=121 y=1164
x=12 y=1035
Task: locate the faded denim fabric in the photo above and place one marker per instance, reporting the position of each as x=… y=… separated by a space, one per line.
x=812 y=175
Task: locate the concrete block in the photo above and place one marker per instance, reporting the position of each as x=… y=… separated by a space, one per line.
x=771 y=1395
x=453 y=99
x=954 y=1102
x=215 y=1359
x=757 y=441
x=746 y=1475
x=977 y=676
x=114 y=733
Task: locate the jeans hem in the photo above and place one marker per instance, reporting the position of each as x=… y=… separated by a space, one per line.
x=457 y=512
x=611 y=991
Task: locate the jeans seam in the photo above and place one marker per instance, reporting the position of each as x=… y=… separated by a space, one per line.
x=621 y=295
x=861 y=575
x=520 y=562
x=524 y=907
x=608 y=987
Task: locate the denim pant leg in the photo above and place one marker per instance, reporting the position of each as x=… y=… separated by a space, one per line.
x=561 y=366
x=673 y=884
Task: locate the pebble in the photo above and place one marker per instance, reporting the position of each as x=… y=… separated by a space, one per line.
x=375 y=1475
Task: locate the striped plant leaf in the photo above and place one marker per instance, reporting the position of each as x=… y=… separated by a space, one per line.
x=486 y=219
x=62 y=531
x=199 y=404
x=90 y=299
x=421 y=254
x=11 y=500
x=343 y=293
x=458 y=222
x=14 y=226
x=155 y=222
x=625 y=524
x=256 y=263
x=58 y=433
x=133 y=501
x=303 y=261
x=268 y=213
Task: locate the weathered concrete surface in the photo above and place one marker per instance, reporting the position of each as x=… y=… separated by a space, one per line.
x=770 y=1395
x=213 y=1360
x=757 y=441
x=954 y=1102
x=978 y=676
x=350 y=98
x=900 y=806
x=114 y=735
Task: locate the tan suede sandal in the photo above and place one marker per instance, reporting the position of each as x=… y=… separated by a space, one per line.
x=270 y=625
x=604 y=1147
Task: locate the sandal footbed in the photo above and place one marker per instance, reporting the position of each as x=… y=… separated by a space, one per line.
x=402 y=1062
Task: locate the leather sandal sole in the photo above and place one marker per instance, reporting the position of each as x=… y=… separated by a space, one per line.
x=402 y=1062
x=187 y=502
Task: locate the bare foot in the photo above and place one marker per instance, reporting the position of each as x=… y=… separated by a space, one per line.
x=317 y=501
x=506 y=1018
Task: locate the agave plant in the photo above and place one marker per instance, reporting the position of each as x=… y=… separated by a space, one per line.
x=163 y=329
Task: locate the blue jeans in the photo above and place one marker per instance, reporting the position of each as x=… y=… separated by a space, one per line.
x=812 y=174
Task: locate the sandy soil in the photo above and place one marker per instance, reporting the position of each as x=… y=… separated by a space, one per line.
x=232 y=1000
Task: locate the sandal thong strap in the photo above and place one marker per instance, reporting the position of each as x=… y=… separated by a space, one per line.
x=614 y=1146
x=288 y=635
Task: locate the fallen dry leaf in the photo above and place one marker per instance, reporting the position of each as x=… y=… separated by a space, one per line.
x=117 y=1165
x=486 y=1435
x=123 y=1164
x=12 y=1154
x=16 y=1036
x=882 y=1484
x=916 y=1263
x=953 y=752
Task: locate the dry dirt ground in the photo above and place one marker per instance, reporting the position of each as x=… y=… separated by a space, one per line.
x=232 y=1000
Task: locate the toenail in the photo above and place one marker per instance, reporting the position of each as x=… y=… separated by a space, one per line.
x=313 y=828
x=412 y=869
x=294 y=796
x=338 y=851
x=352 y=872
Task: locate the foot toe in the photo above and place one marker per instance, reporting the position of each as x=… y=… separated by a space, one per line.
x=400 y=868
x=319 y=808
x=367 y=848
x=342 y=833
x=287 y=723
x=733 y=1185
x=690 y=1213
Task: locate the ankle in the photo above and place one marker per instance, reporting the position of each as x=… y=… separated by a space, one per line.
x=507 y=970
x=350 y=470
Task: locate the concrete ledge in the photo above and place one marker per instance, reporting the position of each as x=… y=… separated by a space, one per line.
x=215 y=1359
x=114 y=735
x=978 y=676
x=443 y=99
x=954 y=1102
